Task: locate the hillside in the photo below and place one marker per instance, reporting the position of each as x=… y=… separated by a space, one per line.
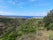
x=8 y=24
x=16 y=27
x=12 y=28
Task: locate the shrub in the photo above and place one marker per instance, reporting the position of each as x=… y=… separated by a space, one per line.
x=50 y=27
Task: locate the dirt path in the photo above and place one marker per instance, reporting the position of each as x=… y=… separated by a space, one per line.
x=43 y=35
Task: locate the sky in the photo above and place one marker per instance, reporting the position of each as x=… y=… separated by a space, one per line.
x=25 y=7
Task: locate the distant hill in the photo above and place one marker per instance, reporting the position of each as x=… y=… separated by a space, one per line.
x=21 y=16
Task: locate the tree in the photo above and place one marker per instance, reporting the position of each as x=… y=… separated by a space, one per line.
x=48 y=19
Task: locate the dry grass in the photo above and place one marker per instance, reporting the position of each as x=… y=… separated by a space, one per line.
x=42 y=35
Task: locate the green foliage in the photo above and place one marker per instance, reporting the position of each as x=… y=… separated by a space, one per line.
x=22 y=26
x=48 y=19
x=51 y=35
x=9 y=26
x=28 y=26
x=19 y=33
x=10 y=36
x=50 y=26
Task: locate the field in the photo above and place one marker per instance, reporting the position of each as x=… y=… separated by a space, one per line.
x=25 y=29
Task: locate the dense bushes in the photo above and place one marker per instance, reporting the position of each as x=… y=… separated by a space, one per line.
x=10 y=36
x=48 y=20
x=28 y=26
x=50 y=26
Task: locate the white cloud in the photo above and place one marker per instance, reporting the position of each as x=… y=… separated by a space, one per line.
x=15 y=2
x=6 y=13
x=11 y=2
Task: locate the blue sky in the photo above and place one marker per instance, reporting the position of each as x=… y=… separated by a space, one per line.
x=25 y=7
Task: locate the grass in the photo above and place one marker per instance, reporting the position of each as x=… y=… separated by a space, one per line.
x=50 y=35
